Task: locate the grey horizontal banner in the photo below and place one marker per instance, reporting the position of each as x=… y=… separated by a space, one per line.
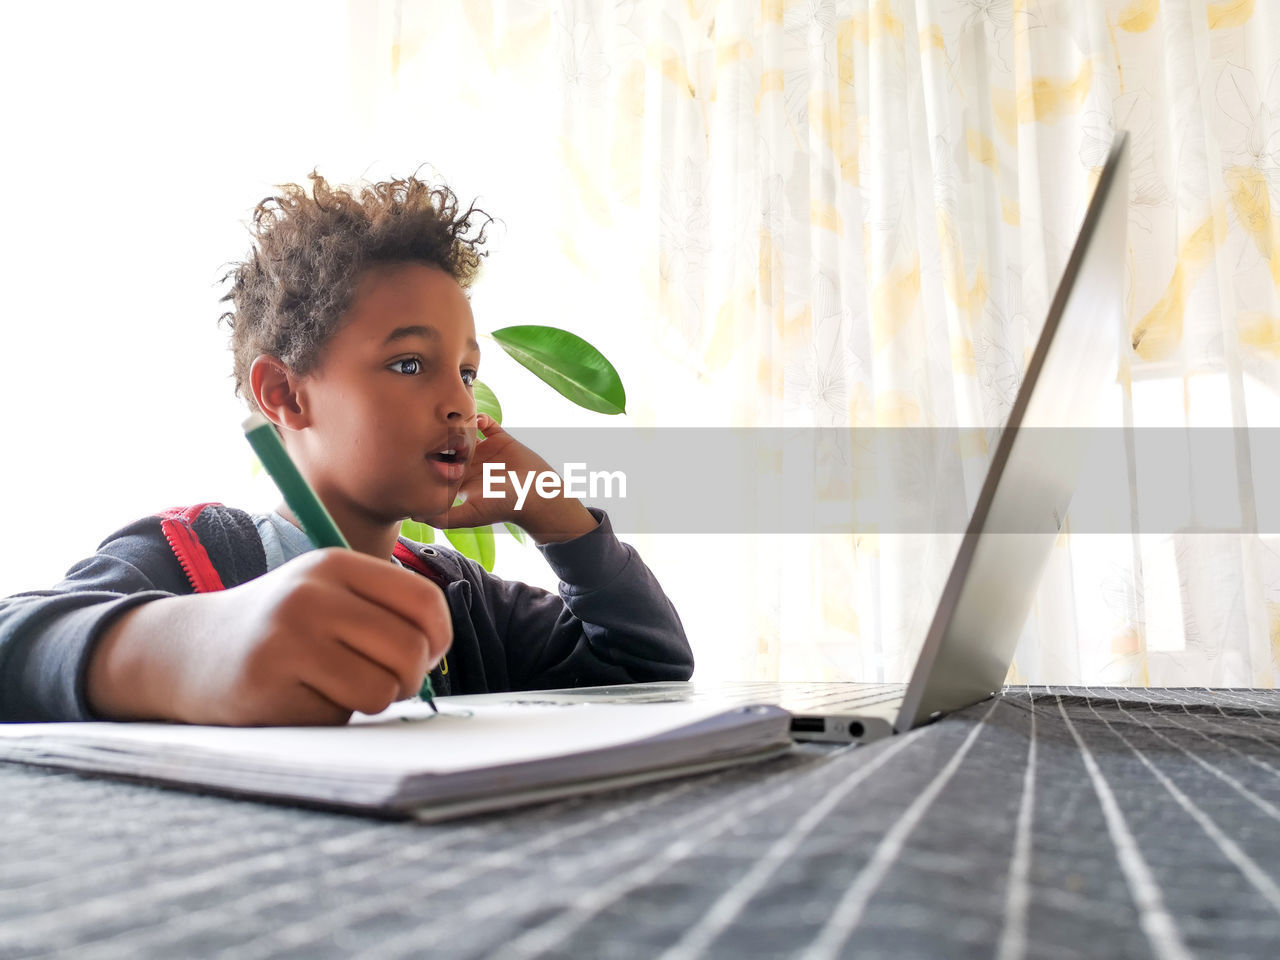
x=780 y=480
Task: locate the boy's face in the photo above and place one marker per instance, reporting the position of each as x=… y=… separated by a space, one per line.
x=391 y=395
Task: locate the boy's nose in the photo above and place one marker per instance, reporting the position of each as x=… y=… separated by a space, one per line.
x=457 y=403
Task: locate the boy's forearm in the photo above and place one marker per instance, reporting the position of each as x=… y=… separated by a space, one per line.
x=556 y=520
x=131 y=674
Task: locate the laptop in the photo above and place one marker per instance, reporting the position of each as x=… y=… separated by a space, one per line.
x=1028 y=486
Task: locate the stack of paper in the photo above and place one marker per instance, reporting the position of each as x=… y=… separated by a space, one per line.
x=409 y=761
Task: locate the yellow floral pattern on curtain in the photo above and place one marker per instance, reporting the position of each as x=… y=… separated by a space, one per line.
x=855 y=212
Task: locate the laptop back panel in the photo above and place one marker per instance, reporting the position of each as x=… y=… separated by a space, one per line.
x=1033 y=473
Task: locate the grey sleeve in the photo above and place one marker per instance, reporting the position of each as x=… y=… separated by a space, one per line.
x=610 y=623
x=47 y=636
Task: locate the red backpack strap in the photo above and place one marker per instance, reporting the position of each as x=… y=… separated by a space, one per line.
x=415 y=562
x=185 y=544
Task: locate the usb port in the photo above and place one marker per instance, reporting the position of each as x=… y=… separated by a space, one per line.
x=808 y=725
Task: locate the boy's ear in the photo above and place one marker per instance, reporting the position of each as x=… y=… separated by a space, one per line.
x=275 y=390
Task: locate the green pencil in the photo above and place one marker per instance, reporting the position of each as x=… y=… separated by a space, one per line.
x=302 y=500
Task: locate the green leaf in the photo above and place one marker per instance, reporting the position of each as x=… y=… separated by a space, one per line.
x=573 y=367
x=517 y=533
x=474 y=543
x=414 y=530
x=464 y=541
x=488 y=549
x=486 y=401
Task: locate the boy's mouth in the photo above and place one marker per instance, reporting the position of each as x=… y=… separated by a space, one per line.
x=450 y=461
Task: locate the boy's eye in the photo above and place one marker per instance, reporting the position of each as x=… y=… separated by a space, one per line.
x=469 y=377
x=408 y=366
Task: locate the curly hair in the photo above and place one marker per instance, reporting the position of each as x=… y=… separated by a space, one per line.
x=291 y=295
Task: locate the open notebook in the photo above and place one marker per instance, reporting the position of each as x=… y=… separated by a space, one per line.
x=408 y=761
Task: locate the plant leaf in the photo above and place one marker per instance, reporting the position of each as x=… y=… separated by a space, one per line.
x=474 y=543
x=464 y=541
x=488 y=549
x=517 y=533
x=414 y=530
x=566 y=362
x=486 y=400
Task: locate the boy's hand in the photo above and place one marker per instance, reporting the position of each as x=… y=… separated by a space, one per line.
x=547 y=519
x=329 y=633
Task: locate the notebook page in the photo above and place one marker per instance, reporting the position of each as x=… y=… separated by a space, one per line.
x=407 y=738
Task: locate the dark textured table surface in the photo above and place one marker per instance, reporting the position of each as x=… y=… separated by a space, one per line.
x=1045 y=823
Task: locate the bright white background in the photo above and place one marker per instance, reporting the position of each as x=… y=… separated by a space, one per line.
x=138 y=138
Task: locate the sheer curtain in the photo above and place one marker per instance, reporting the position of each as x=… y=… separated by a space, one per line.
x=831 y=213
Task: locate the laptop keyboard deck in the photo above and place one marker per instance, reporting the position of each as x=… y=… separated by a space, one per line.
x=796 y=697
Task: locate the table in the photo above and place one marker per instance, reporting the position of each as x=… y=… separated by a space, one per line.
x=1046 y=822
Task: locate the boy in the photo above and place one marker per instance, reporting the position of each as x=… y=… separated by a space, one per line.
x=353 y=334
